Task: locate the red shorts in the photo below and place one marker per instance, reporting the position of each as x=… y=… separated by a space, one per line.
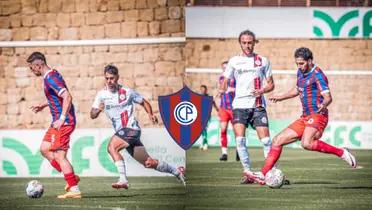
x=317 y=121
x=225 y=115
x=59 y=139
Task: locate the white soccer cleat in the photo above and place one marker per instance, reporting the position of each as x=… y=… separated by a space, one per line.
x=349 y=158
x=254 y=177
x=181 y=175
x=120 y=185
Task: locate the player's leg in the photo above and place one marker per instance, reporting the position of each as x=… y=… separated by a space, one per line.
x=223 y=125
x=45 y=149
x=240 y=121
x=116 y=144
x=311 y=141
x=140 y=154
x=60 y=147
x=260 y=123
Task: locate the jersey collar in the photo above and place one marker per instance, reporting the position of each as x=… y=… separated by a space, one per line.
x=314 y=67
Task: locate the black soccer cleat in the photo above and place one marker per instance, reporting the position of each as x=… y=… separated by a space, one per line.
x=223 y=157
x=237 y=158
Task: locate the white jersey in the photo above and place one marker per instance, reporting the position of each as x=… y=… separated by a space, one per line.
x=119 y=106
x=249 y=74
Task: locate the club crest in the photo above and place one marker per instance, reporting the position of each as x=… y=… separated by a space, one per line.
x=185 y=114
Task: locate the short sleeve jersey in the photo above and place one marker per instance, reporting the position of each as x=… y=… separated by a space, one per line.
x=54 y=86
x=249 y=74
x=311 y=86
x=119 y=106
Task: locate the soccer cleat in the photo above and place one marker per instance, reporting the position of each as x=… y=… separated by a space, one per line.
x=181 y=175
x=237 y=158
x=349 y=158
x=70 y=195
x=223 y=157
x=255 y=177
x=120 y=185
x=67 y=187
x=205 y=147
x=246 y=179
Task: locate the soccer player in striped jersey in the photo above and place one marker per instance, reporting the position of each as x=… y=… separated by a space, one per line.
x=250 y=72
x=56 y=141
x=118 y=103
x=225 y=111
x=315 y=96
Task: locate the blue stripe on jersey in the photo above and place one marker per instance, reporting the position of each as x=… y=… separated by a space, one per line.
x=54 y=84
x=322 y=82
x=305 y=102
x=313 y=97
x=185 y=129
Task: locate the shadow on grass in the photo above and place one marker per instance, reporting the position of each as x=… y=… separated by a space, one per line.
x=134 y=195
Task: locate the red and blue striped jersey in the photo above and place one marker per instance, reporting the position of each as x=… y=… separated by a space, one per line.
x=311 y=86
x=54 y=86
x=227 y=97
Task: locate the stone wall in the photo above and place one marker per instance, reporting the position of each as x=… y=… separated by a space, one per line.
x=351 y=93
x=89 y=19
x=152 y=70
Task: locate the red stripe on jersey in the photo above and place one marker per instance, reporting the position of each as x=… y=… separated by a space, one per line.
x=124 y=118
x=257 y=86
x=174 y=126
x=122 y=95
x=197 y=124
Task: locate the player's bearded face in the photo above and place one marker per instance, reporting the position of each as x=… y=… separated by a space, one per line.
x=303 y=65
x=35 y=68
x=247 y=43
x=111 y=81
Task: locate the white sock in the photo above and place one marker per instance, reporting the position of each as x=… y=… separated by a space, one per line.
x=242 y=149
x=74 y=189
x=165 y=167
x=120 y=165
x=266 y=141
x=224 y=150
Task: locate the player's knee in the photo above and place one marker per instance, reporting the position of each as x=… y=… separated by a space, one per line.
x=306 y=145
x=266 y=141
x=240 y=142
x=151 y=163
x=111 y=149
x=278 y=141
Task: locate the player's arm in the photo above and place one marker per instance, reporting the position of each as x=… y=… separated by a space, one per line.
x=97 y=107
x=327 y=100
x=94 y=112
x=66 y=105
x=147 y=106
x=284 y=96
x=215 y=106
x=268 y=87
x=39 y=107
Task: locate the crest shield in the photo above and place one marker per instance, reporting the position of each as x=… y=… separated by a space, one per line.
x=185 y=114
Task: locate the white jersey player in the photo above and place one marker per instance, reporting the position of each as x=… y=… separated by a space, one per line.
x=250 y=72
x=118 y=104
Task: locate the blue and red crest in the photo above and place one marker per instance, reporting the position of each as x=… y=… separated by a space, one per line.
x=185 y=114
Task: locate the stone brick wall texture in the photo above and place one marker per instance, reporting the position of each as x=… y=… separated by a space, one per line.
x=352 y=95
x=152 y=70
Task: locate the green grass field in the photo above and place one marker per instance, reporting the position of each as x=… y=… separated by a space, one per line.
x=144 y=193
x=318 y=181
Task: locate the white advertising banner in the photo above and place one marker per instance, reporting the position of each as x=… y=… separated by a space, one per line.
x=20 y=156
x=279 y=22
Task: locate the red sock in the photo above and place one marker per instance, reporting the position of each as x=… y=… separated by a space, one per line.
x=321 y=146
x=56 y=165
x=71 y=179
x=224 y=139
x=272 y=158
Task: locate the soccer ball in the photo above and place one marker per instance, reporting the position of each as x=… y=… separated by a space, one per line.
x=274 y=178
x=34 y=189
